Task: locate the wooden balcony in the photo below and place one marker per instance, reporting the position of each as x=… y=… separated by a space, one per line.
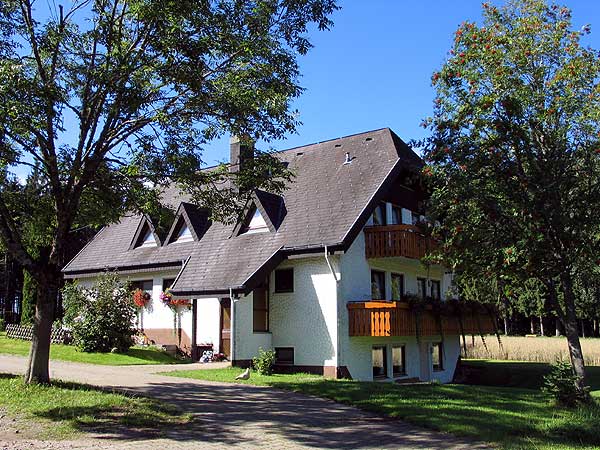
x=383 y=318
x=396 y=240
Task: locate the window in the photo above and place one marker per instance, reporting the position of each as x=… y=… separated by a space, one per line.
x=421 y=287
x=284 y=280
x=396 y=215
x=436 y=290
x=380 y=215
x=377 y=285
x=260 y=309
x=167 y=283
x=148 y=239
x=256 y=222
x=184 y=235
x=437 y=357
x=397 y=286
x=379 y=362
x=399 y=360
x=284 y=356
x=144 y=285
x=415 y=218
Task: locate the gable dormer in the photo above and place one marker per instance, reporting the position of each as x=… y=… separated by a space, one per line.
x=145 y=235
x=265 y=212
x=190 y=224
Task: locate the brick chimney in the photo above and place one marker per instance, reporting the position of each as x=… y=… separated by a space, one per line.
x=239 y=153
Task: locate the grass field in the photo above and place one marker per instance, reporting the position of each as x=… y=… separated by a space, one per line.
x=64 y=409
x=512 y=418
x=69 y=353
x=535 y=349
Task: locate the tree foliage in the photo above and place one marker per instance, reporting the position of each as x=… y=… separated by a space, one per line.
x=100 y=318
x=514 y=151
x=112 y=100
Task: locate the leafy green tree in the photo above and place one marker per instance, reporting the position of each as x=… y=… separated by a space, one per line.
x=100 y=318
x=113 y=100
x=514 y=151
x=29 y=299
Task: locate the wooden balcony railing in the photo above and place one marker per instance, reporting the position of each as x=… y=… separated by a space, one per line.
x=382 y=318
x=396 y=240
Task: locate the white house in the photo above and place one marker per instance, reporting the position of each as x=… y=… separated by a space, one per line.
x=321 y=273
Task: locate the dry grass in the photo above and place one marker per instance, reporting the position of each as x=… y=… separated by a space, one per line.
x=536 y=349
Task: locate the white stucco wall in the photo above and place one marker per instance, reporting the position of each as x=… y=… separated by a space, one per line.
x=307 y=318
x=355 y=285
x=247 y=342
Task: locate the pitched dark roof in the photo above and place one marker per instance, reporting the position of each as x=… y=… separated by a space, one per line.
x=327 y=203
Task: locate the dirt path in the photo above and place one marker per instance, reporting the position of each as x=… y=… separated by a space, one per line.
x=240 y=416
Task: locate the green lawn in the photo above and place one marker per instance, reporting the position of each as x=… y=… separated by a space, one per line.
x=135 y=355
x=63 y=409
x=512 y=418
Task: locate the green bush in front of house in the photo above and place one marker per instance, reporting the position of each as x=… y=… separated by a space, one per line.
x=100 y=318
x=264 y=362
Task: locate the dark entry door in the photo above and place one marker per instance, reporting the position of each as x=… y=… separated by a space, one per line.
x=225 y=335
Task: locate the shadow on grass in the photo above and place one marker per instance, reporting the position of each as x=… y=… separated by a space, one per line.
x=511 y=416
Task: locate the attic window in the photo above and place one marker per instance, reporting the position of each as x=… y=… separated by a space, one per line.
x=184 y=235
x=148 y=239
x=368 y=139
x=256 y=224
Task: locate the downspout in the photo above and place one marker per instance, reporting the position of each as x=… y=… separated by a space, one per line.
x=338 y=318
x=233 y=334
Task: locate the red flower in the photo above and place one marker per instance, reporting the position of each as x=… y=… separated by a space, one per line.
x=140 y=298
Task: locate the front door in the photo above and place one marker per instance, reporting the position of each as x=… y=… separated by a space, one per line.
x=225 y=334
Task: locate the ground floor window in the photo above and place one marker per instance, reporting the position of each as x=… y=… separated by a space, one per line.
x=399 y=360
x=144 y=285
x=437 y=356
x=284 y=356
x=379 y=362
x=260 y=309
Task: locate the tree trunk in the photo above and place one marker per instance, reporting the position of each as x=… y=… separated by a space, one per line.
x=505 y=326
x=557 y=326
x=571 y=331
x=582 y=328
x=531 y=325
x=596 y=327
x=39 y=355
x=542 y=326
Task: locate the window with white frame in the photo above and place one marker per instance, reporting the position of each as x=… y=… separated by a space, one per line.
x=437 y=356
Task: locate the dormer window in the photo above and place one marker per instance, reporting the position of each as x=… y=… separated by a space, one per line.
x=184 y=235
x=256 y=224
x=145 y=236
x=148 y=239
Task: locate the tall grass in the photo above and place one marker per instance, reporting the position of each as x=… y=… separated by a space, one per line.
x=536 y=349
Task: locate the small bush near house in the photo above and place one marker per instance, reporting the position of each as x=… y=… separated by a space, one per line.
x=560 y=384
x=100 y=318
x=264 y=362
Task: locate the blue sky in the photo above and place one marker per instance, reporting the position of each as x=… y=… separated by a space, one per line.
x=373 y=69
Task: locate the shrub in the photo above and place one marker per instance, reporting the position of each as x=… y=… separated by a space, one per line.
x=100 y=318
x=560 y=384
x=264 y=362
x=2 y=325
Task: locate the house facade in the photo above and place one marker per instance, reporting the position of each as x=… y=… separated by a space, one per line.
x=328 y=274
